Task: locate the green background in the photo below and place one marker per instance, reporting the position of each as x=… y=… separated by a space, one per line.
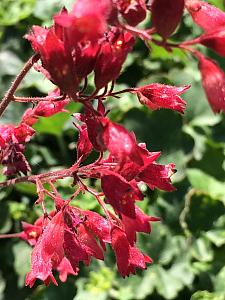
x=188 y=245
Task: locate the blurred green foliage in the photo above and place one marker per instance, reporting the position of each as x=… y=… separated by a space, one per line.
x=188 y=246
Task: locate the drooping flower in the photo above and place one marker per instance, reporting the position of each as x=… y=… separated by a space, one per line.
x=84 y=146
x=202 y=12
x=141 y=223
x=65 y=269
x=45 y=108
x=128 y=258
x=56 y=59
x=158 y=176
x=120 y=142
x=111 y=56
x=12 y=147
x=87 y=21
x=157 y=96
x=95 y=130
x=122 y=197
x=214 y=40
x=133 y=12
x=48 y=252
x=213 y=81
x=166 y=15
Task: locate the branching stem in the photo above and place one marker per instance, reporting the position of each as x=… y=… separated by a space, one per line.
x=9 y=95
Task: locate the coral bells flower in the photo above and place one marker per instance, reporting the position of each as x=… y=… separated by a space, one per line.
x=214 y=40
x=158 y=176
x=133 y=11
x=166 y=15
x=202 y=12
x=87 y=21
x=45 y=108
x=157 y=96
x=47 y=253
x=55 y=57
x=213 y=81
x=12 y=147
x=111 y=56
x=128 y=258
x=122 y=197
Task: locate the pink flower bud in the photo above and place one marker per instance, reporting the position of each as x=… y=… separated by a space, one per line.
x=157 y=96
x=214 y=40
x=202 y=12
x=213 y=81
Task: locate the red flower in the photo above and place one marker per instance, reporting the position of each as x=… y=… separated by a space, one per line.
x=98 y=225
x=213 y=81
x=30 y=233
x=56 y=58
x=128 y=258
x=84 y=146
x=44 y=109
x=157 y=96
x=87 y=21
x=95 y=130
x=141 y=223
x=64 y=269
x=133 y=12
x=111 y=56
x=202 y=12
x=120 y=143
x=214 y=40
x=12 y=148
x=157 y=176
x=122 y=197
x=166 y=15
x=88 y=242
x=48 y=252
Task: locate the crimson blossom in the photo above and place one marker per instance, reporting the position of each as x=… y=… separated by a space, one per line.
x=93 y=41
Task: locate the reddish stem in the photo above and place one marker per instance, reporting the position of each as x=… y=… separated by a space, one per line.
x=144 y=34
x=9 y=94
x=45 y=177
x=37 y=99
x=10 y=235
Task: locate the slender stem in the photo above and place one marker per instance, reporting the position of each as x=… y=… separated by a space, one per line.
x=10 y=235
x=130 y=90
x=37 y=99
x=45 y=177
x=9 y=95
x=144 y=34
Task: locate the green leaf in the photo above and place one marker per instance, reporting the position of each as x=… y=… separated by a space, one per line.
x=12 y=11
x=26 y=188
x=166 y=284
x=176 y=55
x=21 y=253
x=5 y=221
x=205 y=295
x=219 y=282
x=216 y=236
x=202 y=250
x=55 y=124
x=206 y=184
x=97 y=286
x=44 y=10
x=13 y=65
x=52 y=125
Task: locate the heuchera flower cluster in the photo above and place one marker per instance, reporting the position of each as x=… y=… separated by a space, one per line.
x=95 y=38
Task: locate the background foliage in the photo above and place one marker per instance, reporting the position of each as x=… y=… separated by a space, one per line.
x=188 y=245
